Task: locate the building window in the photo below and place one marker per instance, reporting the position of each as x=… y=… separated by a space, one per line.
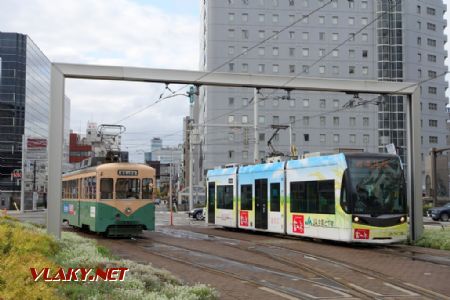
x=363 y=4
x=275 y=18
x=351 y=3
x=322 y=103
x=261 y=119
x=275 y=34
x=305 y=102
x=431 y=42
x=433 y=139
x=322 y=138
x=275 y=102
x=334 y=20
x=244 y=50
x=231 y=33
x=291 y=52
x=305 y=36
x=364 y=21
x=231 y=136
x=321 y=52
x=351 y=20
x=419 y=25
x=245 y=34
x=292 y=103
x=231 y=101
x=364 y=37
x=291 y=69
x=366 y=139
x=305 y=19
x=365 y=53
x=335 y=52
x=335 y=36
x=431 y=26
x=244 y=119
x=335 y=121
x=244 y=154
x=419 y=9
x=432 y=106
x=245 y=2
x=323 y=121
x=431 y=58
x=291 y=35
x=334 y=3
x=352 y=138
x=291 y=18
x=261 y=17
x=262 y=137
x=322 y=69
x=321 y=20
x=432 y=123
x=275 y=120
x=305 y=51
x=322 y=36
x=230 y=155
x=431 y=11
x=336 y=103
x=231 y=17
x=244 y=102
x=261 y=68
x=432 y=90
x=231 y=67
x=432 y=74
x=231 y=50
x=291 y=3
x=305 y=69
x=351 y=53
x=306 y=121
x=352 y=121
x=261 y=34
x=291 y=119
x=419 y=40
x=351 y=69
x=230 y=119
x=366 y=122
x=275 y=51
x=365 y=70
x=275 y=68
x=245 y=18
x=244 y=68
x=336 y=138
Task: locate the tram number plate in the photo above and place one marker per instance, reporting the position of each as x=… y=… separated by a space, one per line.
x=127 y=172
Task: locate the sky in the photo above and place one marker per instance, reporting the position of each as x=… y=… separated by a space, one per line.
x=142 y=33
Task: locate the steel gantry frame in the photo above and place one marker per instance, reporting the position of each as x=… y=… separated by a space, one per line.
x=61 y=71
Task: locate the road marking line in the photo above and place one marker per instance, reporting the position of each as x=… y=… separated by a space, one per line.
x=278 y=293
x=364 y=290
x=334 y=291
x=410 y=293
x=426 y=290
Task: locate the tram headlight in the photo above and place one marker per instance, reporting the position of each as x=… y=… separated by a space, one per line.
x=402 y=219
x=356 y=219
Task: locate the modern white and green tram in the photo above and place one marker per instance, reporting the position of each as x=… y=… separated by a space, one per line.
x=352 y=197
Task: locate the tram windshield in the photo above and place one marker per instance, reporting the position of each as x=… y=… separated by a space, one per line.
x=377 y=185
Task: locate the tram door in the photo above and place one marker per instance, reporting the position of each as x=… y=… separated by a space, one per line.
x=211 y=202
x=261 y=203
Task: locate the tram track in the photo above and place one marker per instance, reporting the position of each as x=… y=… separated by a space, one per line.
x=319 y=264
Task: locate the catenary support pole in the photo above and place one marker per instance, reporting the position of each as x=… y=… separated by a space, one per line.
x=255 y=125
x=191 y=164
x=55 y=142
x=414 y=166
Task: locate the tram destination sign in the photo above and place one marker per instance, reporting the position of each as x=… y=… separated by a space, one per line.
x=127 y=172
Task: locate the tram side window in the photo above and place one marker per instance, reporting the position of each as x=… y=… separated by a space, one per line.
x=106 y=188
x=65 y=189
x=313 y=197
x=93 y=188
x=73 y=189
x=274 y=197
x=298 y=201
x=326 y=197
x=85 y=188
x=128 y=188
x=225 y=196
x=246 y=197
x=147 y=188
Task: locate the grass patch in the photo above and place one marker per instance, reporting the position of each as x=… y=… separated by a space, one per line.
x=23 y=246
x=436 y=238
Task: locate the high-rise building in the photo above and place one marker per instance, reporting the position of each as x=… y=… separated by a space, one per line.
x=156 y=144
x=350 y=39
x=24 y=113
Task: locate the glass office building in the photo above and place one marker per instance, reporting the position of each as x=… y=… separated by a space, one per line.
x=24 y=117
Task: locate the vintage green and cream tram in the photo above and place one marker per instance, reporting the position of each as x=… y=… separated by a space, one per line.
x=114 y=198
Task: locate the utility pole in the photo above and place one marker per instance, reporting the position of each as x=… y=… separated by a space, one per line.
x=255 y=124
x=170 y=191
x=191 y=163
